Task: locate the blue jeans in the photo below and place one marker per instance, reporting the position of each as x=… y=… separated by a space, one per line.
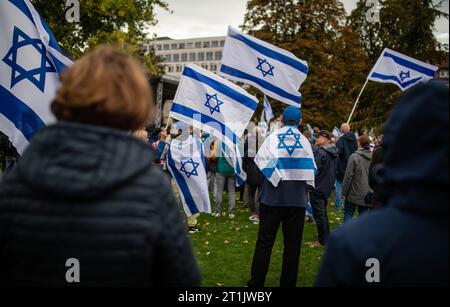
x=349 y=211
x=338 y=194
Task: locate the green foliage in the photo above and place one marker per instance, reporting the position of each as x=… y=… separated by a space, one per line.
x=120 y=22
x=316 y=32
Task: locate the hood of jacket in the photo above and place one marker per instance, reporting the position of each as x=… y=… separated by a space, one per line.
x=365 y=153
x=331 y=150
x=82 y=161
x=416 y=149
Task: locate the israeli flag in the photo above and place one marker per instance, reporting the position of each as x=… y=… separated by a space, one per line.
x=30 y=61
x=186 y=162
x=276 y=72
x=337 y=132
x=213 y=104
x=287 y=155
x=234 y=158
x=401 y=70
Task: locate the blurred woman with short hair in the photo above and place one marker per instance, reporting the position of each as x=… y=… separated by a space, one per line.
x=87 y=189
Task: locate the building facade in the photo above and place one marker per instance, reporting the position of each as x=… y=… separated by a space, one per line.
x=205 y=52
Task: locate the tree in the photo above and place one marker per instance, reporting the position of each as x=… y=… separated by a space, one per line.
x=405 y=26
x=106 y=21
x=314 y=30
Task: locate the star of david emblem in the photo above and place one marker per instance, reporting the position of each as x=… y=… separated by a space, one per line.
x=189 y=168
x=265 y=67
x=35 y=75
x=289 y=141
x=213 y=103
x=405 y=75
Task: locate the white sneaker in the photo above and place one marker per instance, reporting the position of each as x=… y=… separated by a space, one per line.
x=216 y=214
x=253 y=218
x=231 y=216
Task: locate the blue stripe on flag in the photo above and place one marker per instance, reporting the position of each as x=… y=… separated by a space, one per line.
x=268 y=86
x=289 y=163
x=183 y=186
x=204 y=119
x=20 y=4
x=21 y=115
x=396 y=79
x=222 y=88
x=271 y=53
x=411 y=65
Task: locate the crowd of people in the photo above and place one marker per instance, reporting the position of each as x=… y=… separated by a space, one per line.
x=95 y=186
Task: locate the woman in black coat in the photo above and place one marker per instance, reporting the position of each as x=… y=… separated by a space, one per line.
x=85 y=203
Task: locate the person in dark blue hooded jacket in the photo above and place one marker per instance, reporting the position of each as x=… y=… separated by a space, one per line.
x=405 y=244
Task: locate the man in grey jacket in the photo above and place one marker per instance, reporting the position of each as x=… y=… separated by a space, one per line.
x=356 y=180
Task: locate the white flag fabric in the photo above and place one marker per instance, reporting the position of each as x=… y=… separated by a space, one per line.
x=287 y=155
x=213 y=104
x=30 y=61
x=401 y=70
x=276 y=72
x=186 y=162
x=337 y=132
x=267 y=112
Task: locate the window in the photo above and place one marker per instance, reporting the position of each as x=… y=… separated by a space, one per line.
x=214 y=67
x=215 y=44
x=184 y=57
x=179 y=68
x=181 y=46
x=166 y=47
x=176 y=57
x=218 y=56
x=205 y=66
x=190 y=45
x=198 y=45
x=209 y=56
x=201 y=56
x=169 y=69
x=158 y=47
x=173 y=46
x=206 y=44
x=192 y=57
x=222 y=43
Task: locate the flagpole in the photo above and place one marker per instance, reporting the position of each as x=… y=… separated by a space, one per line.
x=357 y=101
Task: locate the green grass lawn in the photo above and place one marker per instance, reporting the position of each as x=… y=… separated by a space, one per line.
x=225 y=247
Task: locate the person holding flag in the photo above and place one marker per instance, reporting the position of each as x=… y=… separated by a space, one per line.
x=184 y=157
x=287 y=162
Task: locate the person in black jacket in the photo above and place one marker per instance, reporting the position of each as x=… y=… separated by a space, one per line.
x=86 y=189
x=346 y=145
x=326 y=157
x=406 y=243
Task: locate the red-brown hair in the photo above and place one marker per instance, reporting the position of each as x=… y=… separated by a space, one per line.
x=106 y=87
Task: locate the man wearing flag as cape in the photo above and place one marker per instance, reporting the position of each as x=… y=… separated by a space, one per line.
x=287 y=162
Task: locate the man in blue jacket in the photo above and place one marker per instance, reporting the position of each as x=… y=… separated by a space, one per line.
x=282 y=204
x=326 y=157
x=405 y=244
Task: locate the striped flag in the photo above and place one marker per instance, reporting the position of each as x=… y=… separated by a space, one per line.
x=30 y=61
x=401 y=70
x=287 y=155
x=276 y=72
x=186 y=162
x=213 y=104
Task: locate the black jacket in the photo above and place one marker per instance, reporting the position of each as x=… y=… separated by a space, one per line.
x=375 y=182
x=92 y=194
x=346 y=145
x=410 y=236
x=326 y=161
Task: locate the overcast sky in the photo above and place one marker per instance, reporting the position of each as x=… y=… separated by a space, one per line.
x=199 y=18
